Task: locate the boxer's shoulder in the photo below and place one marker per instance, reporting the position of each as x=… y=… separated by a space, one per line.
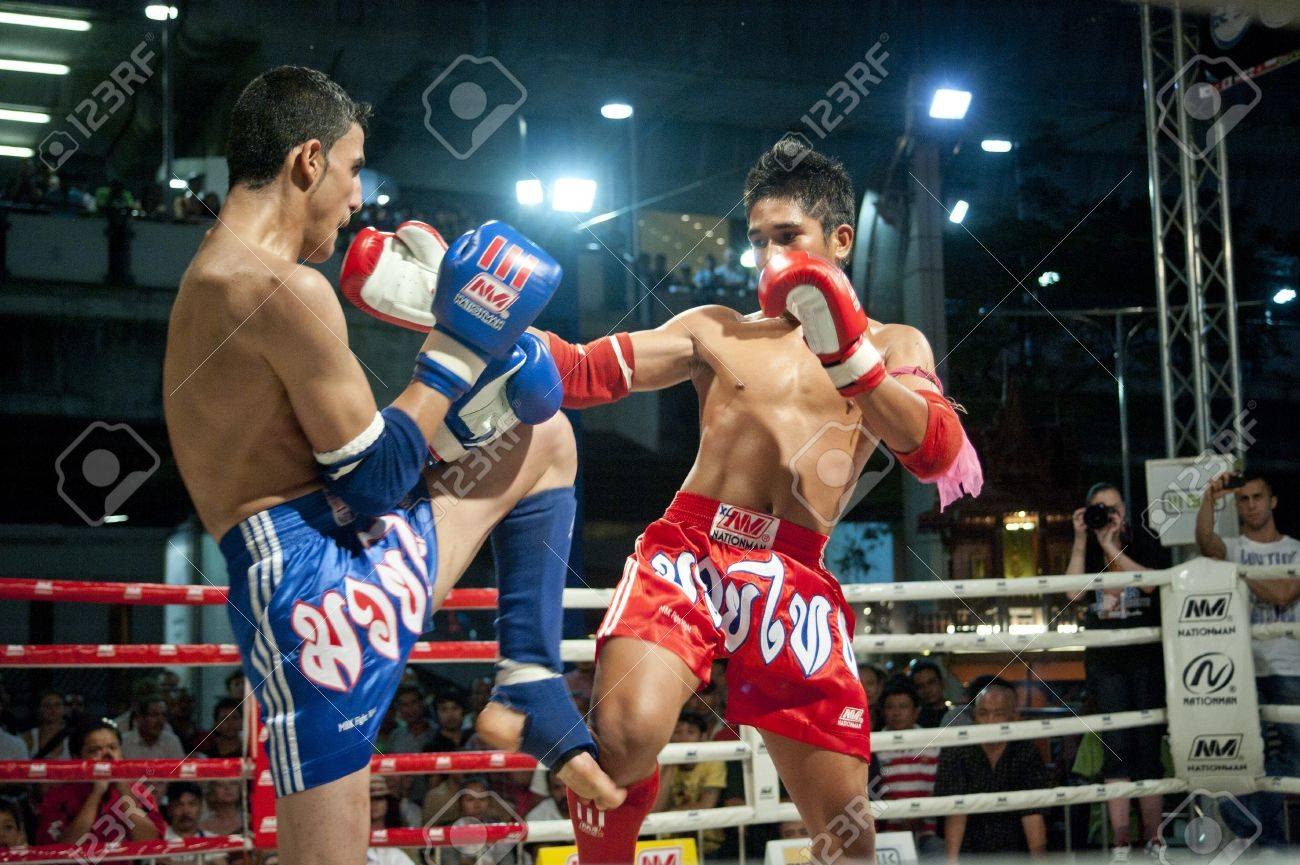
x=901 y=344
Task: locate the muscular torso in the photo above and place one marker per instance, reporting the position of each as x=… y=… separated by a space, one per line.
x=232 y=429
x=773 y=429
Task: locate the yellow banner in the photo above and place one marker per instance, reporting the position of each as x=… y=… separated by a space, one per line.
x=670 y=851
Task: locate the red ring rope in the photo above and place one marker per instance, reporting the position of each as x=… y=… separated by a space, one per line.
x=201 y=769
x=199 y=654
x=159 y=594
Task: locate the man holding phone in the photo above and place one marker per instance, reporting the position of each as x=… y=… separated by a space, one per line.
x=1277 y=661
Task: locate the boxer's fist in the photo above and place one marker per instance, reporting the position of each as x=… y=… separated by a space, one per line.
x=522 y=387
x=835 y=327
x=492 y=284
x=392 y=275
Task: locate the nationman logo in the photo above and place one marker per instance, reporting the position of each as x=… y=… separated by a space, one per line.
x=851 y=717
x=490 y=293
x=743 y=528
x=1206 y=608
x=1221 y=747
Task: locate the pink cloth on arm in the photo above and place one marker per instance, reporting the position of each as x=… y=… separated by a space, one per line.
x=965 y=476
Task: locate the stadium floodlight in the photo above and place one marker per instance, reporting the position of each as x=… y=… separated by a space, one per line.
x=958 y=212
x=948 y=104
x=528 y=192
x=573 y=195
x=616 y=111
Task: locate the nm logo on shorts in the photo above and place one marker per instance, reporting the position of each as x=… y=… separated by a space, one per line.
x=1208 y=673
x=1224 y=746
x=1206 y=608
x=851 y=717
x=743 y=528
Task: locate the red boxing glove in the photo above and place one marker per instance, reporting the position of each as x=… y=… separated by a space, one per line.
x=835 y=327
x=393 y=275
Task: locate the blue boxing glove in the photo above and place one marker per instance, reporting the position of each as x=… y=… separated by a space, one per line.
x=521 y=387
x=492 y=284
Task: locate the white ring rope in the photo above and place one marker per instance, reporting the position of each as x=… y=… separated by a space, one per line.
x=1002 y=642
x=1280 y=714
x=1275 y=629
x=972 y=734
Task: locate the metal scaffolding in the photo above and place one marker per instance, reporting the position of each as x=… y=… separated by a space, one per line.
x=1192 y=235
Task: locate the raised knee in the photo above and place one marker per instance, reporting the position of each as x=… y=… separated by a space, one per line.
x=554 y=443
x=628 y=751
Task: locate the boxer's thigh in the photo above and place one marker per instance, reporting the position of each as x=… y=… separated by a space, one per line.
x=830 y=791
x=470 y=496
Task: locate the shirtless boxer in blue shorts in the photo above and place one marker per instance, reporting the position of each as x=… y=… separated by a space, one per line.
x=324 y=506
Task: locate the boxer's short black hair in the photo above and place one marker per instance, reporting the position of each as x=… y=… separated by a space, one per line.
x=280 y=109
x=816 y=182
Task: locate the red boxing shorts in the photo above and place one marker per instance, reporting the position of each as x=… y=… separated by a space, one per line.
x=711 y=580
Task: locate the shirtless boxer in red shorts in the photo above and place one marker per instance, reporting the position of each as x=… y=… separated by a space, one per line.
x=734 y=568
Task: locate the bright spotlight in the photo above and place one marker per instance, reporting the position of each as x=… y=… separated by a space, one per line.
x=44 y=21
x=995 y=145
x=19 y=116
x=160 y=12
x=1048 y=277
x=949 y=104
x=10 y=150
x=382 y=198
x=747 y=258
x=12 y=65
x=177 y=183
x=958 y=212
x=1284 y=295
x=616 y=111
x=573 y=195
x=528 y=192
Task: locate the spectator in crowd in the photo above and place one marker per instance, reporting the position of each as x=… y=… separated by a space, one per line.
x=221 y=812
x=150 y=739
x=12 y=747
x=693 y=786
x=581 y=679
x=480 y=693
x=906 y=773
x=102 y=811
x=235 y=685
x=49 y=738
x=1277 y=660
x=792 y=829
x=414 y=734
x=451 y=734
x=384 y=815
x=680 y=280
x=703 y=279
x=556 y=805
x=168 y=683
x=729 y=275
x=960 y=716
x=408 y=807
x=927 y=678
x=74 y=708
x=211 y=205
x=184 y=803
x=180 y=717
x=996 y=767
x=14 y=823
x=475 y=803
x=226 y=738
x=1134 y=753
x=873 y=678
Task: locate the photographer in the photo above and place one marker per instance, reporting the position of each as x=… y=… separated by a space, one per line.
x=1277 y=661
x=1122 y=678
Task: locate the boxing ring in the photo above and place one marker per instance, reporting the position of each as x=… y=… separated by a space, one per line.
x=1210 y=693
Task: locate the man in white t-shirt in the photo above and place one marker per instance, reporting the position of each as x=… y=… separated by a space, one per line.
x=149 y=738
x=1277 y=661
x=184 y=802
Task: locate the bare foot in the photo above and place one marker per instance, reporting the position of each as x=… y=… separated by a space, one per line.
x=503 y=728
x=583 y=775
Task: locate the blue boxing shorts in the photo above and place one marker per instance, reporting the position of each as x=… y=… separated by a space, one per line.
x=325 y=609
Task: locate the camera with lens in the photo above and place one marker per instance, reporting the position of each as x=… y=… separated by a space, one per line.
x=1097 y=516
